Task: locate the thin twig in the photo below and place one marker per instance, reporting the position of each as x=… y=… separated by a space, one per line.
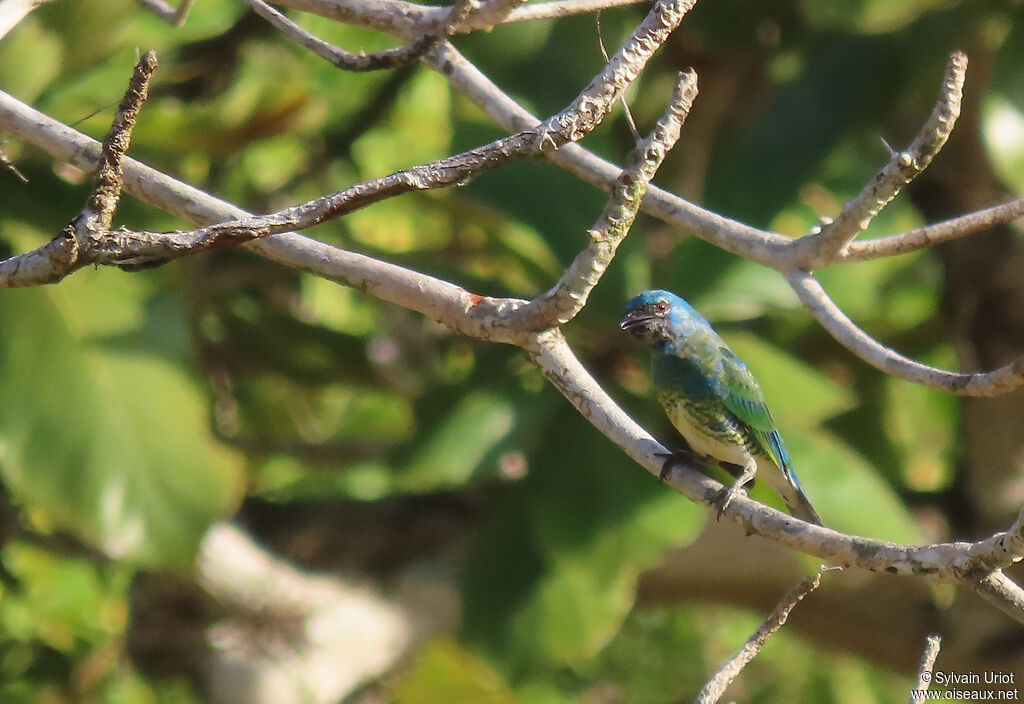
x=715 y=687
x=349 y=61
x=9 y=165
x=625 y=104
x=174 y=16
x=109 y=174
x=63 y=254
x=1003 y=593
x=931 y=235
x=924 y=670
x=993 y=383
x=567 y=297
x=903 y=167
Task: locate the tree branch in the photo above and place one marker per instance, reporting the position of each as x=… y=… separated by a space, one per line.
x=133 y=249
x=715 y=687
x=924 y=671
x=14 y=11
x=931 y=235
x=770 y=249
x=1003 y=593
x=817 y=250
x=813 y=296
x=63 y=254
x=174 y=16
x=562 y=8
x=348 y=61
x=567 y=297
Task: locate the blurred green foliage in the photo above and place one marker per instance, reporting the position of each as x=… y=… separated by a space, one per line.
x=139 y=408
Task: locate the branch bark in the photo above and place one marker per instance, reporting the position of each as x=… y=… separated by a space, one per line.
x=924 y=671
x=715 y=687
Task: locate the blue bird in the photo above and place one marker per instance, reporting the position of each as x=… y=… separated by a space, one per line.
x=712 y=398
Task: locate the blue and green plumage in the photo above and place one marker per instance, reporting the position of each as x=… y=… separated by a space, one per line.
x=710 y=395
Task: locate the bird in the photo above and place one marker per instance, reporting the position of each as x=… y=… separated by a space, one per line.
x=712 y=398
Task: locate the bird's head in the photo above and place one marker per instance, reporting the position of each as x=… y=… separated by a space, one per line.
x=659 y=319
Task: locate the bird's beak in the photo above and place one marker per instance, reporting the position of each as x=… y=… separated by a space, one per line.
x=634 y=317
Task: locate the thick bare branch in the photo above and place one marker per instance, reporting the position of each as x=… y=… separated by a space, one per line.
x=567 y=297
x=563 y=8
x=715 y=687
x=749 y=242
x=590 y=107
x=1001 y=550
x=924 y=671
x=488 y=14
x=767 y=248
x=407 y=20
x=817 y=250
x=379 y=60
x=952 y=562
x=813 y=296
x=128 y=248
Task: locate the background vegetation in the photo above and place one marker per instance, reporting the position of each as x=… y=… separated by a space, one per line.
x=358 y=438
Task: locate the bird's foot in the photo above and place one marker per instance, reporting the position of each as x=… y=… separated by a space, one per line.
x=725 y=497
x=682 y=456
x=729 y=493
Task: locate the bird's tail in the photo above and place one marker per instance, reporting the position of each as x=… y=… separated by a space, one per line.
x=786 y=485
x=800 y=507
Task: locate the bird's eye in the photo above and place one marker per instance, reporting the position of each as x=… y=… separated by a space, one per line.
x=661 y=306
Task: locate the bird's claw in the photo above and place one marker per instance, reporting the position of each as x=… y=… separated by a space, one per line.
x=678 y=456
x=666 y=466
x=725 y=497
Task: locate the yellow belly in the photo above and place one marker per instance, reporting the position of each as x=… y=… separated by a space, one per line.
x=698 y=438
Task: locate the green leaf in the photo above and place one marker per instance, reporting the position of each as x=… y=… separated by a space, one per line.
x=847 y=491
x=922 y=423
x=745 y=290
x=61 y=602
x=867 y=15
x=459 y=444
x=1003 y=126
x=113 y=446
x=445 y=672
x=29 y=60
x=418 y=130
x=567 y=557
